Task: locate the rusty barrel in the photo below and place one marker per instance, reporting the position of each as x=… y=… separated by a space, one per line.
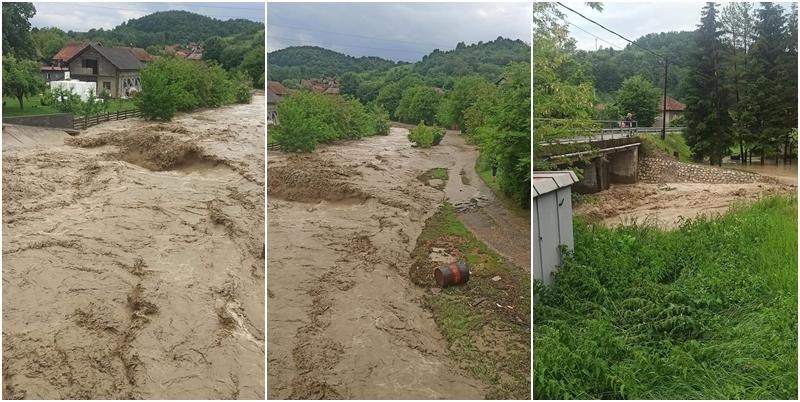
x=452 y=274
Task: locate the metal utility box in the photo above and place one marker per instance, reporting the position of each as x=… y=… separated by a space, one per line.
x=552 y=221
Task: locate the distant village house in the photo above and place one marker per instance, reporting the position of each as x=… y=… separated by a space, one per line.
x=673 y=110
x=112 y=69
x=275 y=92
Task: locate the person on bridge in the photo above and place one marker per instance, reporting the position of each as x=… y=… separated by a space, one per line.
x=629 y=120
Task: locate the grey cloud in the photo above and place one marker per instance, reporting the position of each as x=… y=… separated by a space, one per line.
x=397 y=31
x=82 y=16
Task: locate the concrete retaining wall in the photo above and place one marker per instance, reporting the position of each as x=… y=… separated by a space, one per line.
x=659 y=170
x=58 y=120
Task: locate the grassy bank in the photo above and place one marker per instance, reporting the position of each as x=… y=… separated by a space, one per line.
x=484 y=169
x=707 y=311
x=485 y=322
x=652 y=144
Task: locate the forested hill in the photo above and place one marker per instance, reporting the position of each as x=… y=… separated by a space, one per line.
x=166 y=28
x=302 y=62
x=609 y=67
x=487 y=59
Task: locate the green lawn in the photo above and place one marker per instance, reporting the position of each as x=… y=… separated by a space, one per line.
x=31 y=104
x=707 y=311
x=34 y=107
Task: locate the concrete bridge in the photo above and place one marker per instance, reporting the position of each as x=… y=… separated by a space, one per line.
x=614 y=160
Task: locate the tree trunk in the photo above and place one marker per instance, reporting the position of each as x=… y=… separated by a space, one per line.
x=21 y=98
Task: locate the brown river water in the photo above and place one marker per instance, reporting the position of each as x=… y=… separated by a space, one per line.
x=133 y=259
x=344 y=319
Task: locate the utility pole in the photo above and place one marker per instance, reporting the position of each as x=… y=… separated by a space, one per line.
x=664 y=105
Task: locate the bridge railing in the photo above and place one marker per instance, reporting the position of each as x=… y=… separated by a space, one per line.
x=565 y=131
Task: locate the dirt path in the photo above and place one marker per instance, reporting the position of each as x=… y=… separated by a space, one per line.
x=508 y=233
x=344 y=320
x=133 y=262
x=668 y=205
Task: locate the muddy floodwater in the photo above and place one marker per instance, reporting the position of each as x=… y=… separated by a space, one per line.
x=667 y=205
x=344 y=319
x=784 y=174
x=133 y=259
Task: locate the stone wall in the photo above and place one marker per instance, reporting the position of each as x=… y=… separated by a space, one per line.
x=660 y=170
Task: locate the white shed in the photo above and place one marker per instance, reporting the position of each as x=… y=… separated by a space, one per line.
x=552 y=221
x=81 y=88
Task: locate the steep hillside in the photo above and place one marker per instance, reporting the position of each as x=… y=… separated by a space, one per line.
x=168 y=27
x=487 y=59
x=610 y=67
x=438 y=68
x=300 y=62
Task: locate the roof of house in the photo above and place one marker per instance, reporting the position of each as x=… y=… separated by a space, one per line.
x=195 y=56
x=69 y=51
x=124 y=58
x=181 y=54
x=672 y=104
x=332 y=91
x=120 y=57
x=140 y=53
x=277 y=88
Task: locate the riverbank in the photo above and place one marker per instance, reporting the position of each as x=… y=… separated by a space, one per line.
x=707 y=311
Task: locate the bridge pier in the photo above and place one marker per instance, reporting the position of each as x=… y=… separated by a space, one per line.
x=624 y=166
x=618 y=167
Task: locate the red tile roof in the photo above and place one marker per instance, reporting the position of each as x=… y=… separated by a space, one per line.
x=69 y=51
x=672 y=104
x=277 y=88
x=140 y=54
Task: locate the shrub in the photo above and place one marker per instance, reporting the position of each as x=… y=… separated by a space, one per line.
x=170 y=85
x=380 y=119
x=308 y=118
x=424 y=136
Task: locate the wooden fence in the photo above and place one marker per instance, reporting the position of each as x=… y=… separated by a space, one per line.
x=82 y=123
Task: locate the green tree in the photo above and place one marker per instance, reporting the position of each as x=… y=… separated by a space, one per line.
x=640 y=97
x=17 y=39
x=418 y=103
x=159 y=91
x=213 y=48
x=464 y=94
x=708 y=120
x=49 y=41
x=21 y=78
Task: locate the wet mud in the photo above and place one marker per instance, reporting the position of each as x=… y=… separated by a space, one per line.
x=668 y=205
x=133 y=259
x=344 y=319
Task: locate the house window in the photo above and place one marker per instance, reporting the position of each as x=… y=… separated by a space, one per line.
x=87 y=63
x=107 y=85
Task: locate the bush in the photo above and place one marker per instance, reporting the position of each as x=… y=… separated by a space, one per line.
x=308 y=118
x=66 y=101
x=424 y=136
x=170 y=85
x=380 y=119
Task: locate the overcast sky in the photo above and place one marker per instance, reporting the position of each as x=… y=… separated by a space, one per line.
x=632 y=20
x=83 y=16
x=395 y=31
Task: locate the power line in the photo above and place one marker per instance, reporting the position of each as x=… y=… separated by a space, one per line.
x=152 y=11
x=356 y=35
x=609 y=30
x=587 y=32
x=423 y=52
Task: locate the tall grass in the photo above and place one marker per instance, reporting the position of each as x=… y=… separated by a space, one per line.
x=708 y=311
